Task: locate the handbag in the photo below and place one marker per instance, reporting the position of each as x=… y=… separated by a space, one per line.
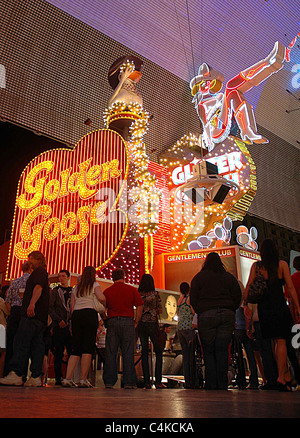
x=97 y=305
x=258 y=288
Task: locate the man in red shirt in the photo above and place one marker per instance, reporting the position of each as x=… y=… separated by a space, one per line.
x=121 y=299
x=296 y=282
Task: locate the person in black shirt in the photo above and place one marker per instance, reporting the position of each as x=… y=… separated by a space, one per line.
x=215 y=295
x=29 y=339
x=60 y=312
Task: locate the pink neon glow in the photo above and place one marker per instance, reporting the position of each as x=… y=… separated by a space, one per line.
x=290 y=46
x=292 y=43
x=241 y=80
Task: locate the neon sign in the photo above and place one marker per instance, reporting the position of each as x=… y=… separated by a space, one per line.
x=61 y=207
x=228 y=165
x=68 y=183
x=247 y=238
x=126 y=114
x=234 y=163
x=216 y=110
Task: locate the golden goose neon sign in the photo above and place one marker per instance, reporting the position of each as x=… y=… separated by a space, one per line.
x=69 y=183
x=58 y=205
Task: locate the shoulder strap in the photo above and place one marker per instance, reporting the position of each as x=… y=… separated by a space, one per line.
x=258 y=267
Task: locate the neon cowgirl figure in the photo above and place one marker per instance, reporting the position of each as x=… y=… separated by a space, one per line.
x=215 y=109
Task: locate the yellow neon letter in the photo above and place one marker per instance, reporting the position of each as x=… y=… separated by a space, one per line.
x=35 y=235
x=113 y=167
x=37 y=189
x=84 y=227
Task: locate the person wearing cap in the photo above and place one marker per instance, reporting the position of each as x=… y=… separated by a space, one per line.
x=216 y=109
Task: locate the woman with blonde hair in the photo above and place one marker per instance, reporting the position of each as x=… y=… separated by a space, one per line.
x=84 y=324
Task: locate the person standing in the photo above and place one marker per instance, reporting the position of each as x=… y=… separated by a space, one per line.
x=215 y=296
x=60 y=313
x=263 y=348
x=14 y=298
x=4 y=312
x=243 y=340
x=29 y=339
x=186 y=333
x=149 y=327
x=100 y=343
x=121 y=299
x=275 y=318
x=84 y=325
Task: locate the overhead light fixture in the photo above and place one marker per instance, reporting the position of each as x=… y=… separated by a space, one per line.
x=205 y=168
x=196 y=195
x=219 y=192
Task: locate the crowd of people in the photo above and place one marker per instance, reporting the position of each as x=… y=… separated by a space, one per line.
x=83 y=320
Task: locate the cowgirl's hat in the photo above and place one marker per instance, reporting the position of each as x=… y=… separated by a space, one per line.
x=206 y=73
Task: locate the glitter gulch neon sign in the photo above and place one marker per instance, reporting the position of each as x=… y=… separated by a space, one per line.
x=58 y=210
x=234 y=163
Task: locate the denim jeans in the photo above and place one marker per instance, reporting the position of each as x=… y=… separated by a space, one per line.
x=215 y=329
x=11 y=331
x=146 y=330
x=29 y=342
x=186 y=338
x=120 y=334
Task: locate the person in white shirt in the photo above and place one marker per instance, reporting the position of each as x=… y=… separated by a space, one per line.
x=84 y=325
